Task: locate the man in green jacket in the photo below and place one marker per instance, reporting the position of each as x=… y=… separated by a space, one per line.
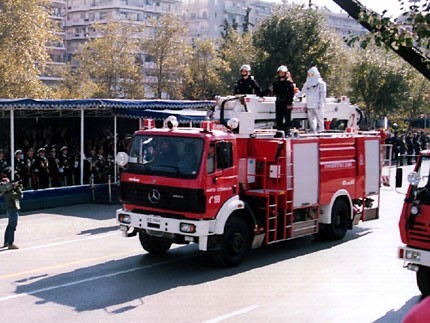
x=12 y=194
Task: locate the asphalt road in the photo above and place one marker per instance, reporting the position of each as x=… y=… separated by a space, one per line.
x=74 y=266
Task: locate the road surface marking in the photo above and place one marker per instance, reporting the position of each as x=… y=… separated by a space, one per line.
x=67 y=264
x=98 y=236
x=47 y=289
x=232 y=314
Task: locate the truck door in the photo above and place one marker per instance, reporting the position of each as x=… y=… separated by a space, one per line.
x=221 y=175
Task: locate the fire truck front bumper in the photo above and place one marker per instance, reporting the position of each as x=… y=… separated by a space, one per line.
x=413 y=257
x=190 y=230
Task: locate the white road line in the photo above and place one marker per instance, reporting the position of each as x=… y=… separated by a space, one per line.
x=47 y=289
x=232 y=314
x=97 y=236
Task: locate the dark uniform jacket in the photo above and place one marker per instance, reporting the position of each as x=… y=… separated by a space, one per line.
x=247 y=86
x=283 y=89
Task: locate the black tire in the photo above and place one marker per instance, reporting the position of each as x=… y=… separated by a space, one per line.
x=423 y=280
x=154 y=245
x=336 y=230
x=235 y=243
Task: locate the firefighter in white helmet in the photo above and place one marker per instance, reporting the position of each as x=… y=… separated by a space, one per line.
x=315 y=90
x=283 y=88
x=246 y=84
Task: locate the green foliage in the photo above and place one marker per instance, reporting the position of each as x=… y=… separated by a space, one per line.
x=25 y=29
x=298 y=38
x=108 y=64
x=168 y=48
x=203 y=79
x=235 y=51
x=379 y=82
x=411 y=29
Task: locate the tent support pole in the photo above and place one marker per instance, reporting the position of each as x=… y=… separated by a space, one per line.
x=82 y=149
x=114 y=149
x=12 y=144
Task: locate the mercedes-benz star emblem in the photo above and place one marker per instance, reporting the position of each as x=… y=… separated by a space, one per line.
x=154 y=196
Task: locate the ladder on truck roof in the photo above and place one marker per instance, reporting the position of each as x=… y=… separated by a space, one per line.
x=278 y=200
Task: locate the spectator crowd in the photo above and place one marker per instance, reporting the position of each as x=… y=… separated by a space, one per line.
x=49 y=156
x=406 y=146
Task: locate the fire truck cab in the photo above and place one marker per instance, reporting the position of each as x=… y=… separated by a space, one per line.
x=414 y=222
x=230 y=192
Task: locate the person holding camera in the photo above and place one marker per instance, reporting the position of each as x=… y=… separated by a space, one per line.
x=12 y=194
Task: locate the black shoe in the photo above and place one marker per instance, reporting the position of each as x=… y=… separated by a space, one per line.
x=12 y=246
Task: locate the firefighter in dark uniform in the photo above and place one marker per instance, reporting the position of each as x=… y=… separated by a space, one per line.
x=19 y=165
x=101 y=175
x=66 y=166
x=283 y=88
x=54 y=169
x=29 y=178
x=41 y=167
x=246 y=84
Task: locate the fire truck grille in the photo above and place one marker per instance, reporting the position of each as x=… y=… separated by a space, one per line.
x=420 y=232
x=166 y=198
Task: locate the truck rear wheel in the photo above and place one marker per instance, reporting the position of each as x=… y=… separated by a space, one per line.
x=336 y=230
x=423 y=280
x=154 y=245
x=235 y=243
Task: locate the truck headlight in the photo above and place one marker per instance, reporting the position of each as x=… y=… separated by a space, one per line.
x=414 y=178
x=121 y=159
x=187 y=227
x=412 y=255
x=415 y=209
x=124 y=218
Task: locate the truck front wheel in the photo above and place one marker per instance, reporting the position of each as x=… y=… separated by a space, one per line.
x=234 y=244
x=154 y=245
x=423 y=280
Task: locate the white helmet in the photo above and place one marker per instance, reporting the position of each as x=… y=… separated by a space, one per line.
x=245 y=67
x=282 y=68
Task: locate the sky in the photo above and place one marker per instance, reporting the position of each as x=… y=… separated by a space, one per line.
x=392 y=6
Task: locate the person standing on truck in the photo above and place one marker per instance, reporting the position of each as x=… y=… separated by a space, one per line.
x=12 y=197
x=246 y=84
x=283 y=88
x=315 y=90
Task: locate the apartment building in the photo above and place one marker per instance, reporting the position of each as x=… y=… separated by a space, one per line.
x=343 y=24
x=82 y=14
x=56 y=49
x=205 y=18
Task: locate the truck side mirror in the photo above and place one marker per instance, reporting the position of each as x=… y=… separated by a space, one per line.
x=399 y=177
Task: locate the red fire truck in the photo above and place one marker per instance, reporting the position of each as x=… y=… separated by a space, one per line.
x=414 y=222
x=230 y=190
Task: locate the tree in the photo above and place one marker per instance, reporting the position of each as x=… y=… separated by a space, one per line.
x=408 y=36
x=246 y=21
x=110 y=61
x=204 y=72
x=25 y=29
x=379 y=83
x=166 y=46
x=235 y=51
x=298 y=38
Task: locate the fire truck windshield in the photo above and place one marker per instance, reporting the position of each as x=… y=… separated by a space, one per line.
x=177 y=157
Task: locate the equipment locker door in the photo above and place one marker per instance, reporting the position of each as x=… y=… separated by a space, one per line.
x=372 y=167
x=306 y=175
